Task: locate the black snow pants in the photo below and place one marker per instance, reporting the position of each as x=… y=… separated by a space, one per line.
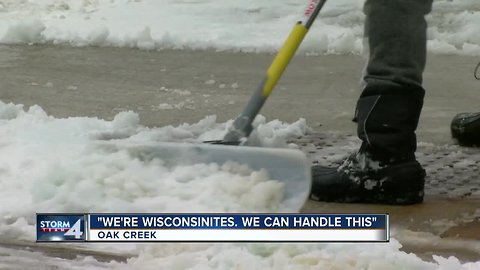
x=389 y=107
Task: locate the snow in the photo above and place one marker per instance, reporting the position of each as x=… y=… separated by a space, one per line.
x=49 y=165
x=223 y=25
x=54 y=165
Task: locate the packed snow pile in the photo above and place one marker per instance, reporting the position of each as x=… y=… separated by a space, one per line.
x=56 y=165
x=49 y=165
x=259 y=26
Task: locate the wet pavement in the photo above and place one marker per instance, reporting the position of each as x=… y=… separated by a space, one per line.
x=100 y=82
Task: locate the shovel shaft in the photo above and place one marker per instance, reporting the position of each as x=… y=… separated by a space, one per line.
x=283 y=57
x=242 y=126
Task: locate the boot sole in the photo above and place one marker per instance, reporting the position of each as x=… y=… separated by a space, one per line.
x=375 y=198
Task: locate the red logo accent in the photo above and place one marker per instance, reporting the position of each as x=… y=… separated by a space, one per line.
x=54 y=229
x=311 y=7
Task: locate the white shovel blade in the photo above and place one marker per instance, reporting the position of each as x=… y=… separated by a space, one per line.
x=287 y=166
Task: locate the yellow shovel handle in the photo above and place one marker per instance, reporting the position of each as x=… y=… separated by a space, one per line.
x=283 y=57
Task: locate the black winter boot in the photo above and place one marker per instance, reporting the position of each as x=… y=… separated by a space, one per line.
x=465 y=128
x=364 y=180
x=384 y=170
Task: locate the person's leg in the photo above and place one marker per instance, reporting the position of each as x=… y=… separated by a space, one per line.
x=390 y=104
x=385 y=170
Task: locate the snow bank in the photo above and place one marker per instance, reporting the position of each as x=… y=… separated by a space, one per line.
x=258 y=26
x=53 y=165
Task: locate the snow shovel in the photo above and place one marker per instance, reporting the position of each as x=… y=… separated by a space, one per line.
x=242 y=126
x=288 y=166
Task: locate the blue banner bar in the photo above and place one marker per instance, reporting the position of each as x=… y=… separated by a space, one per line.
x=238 y=221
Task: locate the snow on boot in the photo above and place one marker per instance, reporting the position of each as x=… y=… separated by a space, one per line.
x=363 y=180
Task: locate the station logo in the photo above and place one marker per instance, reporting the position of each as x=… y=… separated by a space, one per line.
x=60 y=227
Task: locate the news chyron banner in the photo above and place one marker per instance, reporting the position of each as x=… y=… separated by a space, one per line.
x=213 y=227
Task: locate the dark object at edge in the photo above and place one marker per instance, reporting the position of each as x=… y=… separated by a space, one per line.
x=465 y=129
